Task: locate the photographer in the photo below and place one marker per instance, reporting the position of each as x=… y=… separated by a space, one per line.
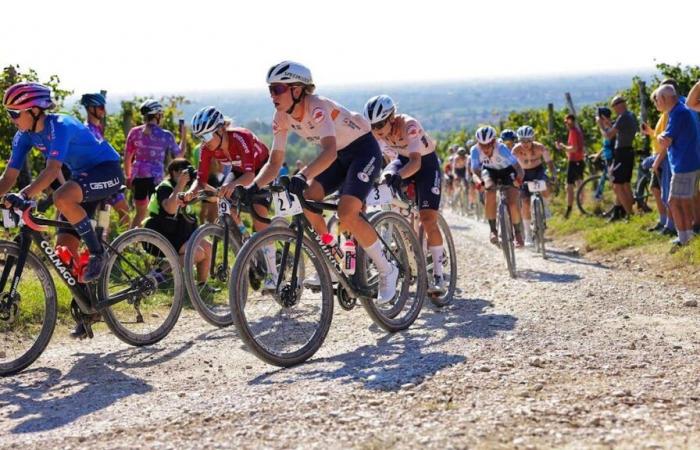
x=166 y=218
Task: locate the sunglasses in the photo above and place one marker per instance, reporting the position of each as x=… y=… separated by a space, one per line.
x=380 y=125
x=206 y=137
x=526 y=141
x=278 y=89
x=14 y=114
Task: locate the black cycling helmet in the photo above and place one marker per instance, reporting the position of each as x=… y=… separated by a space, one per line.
x=97 y=99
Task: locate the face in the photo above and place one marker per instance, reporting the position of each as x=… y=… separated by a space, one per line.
x=212 y=140
x=487 y=148
x=620 y=108
x=526 y=143
x=22 y=119
x=281 y=95
x=510 y=144
x=98 y=111
x=569 y=123
x=381 y=129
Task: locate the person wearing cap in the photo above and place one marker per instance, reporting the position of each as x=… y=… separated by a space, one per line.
x=681 y=142
x=623 y=130
x=576 y=154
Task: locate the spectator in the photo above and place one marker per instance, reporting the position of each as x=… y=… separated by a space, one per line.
x=693 y=102
x=575 y=153
x=680 y=141
x=623 y=130
x=661 y=173
x=299 y=166
x=284 y=170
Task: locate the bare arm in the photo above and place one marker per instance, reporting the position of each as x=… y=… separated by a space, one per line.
x=9 y=178
x=271 y=168
x=693 y=100
x=45 y=178
x=413 y=165
x=171 y=203
x=328 y=154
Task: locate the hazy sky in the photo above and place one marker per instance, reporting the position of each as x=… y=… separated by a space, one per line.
x=163 y=46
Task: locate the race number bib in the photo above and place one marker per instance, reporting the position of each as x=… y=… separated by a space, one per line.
x=537 y=186
x=224 y=207
x=286 y=204
x=379 y=196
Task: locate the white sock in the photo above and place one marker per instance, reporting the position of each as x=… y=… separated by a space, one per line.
x=437 y=252
x=528 y=231
x=375 y=252
x=270 y=259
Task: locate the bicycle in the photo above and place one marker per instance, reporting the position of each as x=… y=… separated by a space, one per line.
x=505 y=228
x=406 y=205
x=593 y=198
x=539 y=223
x=211 y=299
x=141 y=273
x=285 y=328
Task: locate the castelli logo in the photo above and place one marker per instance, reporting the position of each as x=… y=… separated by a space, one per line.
x=318 y=115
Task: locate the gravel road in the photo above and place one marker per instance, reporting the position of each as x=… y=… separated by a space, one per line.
x=571 y=354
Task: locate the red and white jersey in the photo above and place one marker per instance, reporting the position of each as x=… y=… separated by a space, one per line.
x=322 y=118
x=407 y=136
x=245 y=153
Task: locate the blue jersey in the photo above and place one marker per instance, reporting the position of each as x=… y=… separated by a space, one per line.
x=63 y=139
x=500 y=159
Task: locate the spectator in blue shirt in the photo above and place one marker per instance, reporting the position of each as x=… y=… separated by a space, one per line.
x=681 y=141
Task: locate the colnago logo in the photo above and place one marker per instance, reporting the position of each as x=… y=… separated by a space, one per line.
x=105 y=184
x=58 y=264
x=328 y=251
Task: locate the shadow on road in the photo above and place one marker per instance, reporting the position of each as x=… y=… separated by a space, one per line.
x=547 y=277
x=50 y=399
x=565 y=257
x=406 y=357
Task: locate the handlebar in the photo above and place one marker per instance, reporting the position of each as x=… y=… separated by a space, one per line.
x=34 y=223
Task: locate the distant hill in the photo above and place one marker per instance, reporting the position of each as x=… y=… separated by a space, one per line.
x=439 y=106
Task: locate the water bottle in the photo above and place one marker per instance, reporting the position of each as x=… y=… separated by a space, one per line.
x=65 y=255
x=348 y=249
x=103 y=219
x=330 y=244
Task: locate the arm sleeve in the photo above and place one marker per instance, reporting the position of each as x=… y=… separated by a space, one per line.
x=279 y=132
x=162 y=193
x=173 y=148
x=474 y=159
x=58 y=146
x=417 y=141
x=21 y=144
x=130 y=147
x=248 y=154
x=203 y=166
x=677 y=123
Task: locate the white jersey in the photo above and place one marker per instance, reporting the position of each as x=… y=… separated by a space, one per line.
x=500 y=159
x=407 y=136
x=322 y=118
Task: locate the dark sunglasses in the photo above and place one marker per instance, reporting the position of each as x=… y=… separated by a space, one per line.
x=380 y=125
x=278 y=89
x=14 y=114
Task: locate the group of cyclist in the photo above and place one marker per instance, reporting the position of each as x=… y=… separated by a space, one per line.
x=488 y=161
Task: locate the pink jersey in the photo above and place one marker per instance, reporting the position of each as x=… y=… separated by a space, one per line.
x=407 y=136
x=149 y=151
x=322 y=118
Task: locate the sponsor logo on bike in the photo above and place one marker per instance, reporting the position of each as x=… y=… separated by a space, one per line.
x=58 y=264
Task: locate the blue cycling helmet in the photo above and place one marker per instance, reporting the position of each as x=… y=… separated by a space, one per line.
x=508 y=135
x=88 y=100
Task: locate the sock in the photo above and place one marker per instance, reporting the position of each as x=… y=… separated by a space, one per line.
x=492 y=225
x=518 y=229
x=663 y=219
x=527 y=229
x=87 y=233
x=270 y=260
x=683 y=236
x=375 y=252
x=437 y=252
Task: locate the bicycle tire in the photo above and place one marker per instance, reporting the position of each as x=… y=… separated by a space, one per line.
x=387 y=318
x=219 y=317
x=49 y=317
x=585 y=193
x=152 y=242
x=449 y=246
x=538 y=208
x=506 y=233
x=238 y=296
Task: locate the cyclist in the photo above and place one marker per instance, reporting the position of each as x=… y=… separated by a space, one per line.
x=417 y=162
x=350 y=159
x=147 y=147
x=241 y=155
x=96 y=116
x=448 y=170
x=508 y=137
x=531 y=154
x=492 y=164
x=95 y=170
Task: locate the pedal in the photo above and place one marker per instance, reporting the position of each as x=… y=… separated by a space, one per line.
x=139 y=316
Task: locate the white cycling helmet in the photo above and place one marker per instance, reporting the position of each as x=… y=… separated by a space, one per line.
x=379 y=108
x=485 y=135
x=525 y=132
x=288 y=72
x=206 y=120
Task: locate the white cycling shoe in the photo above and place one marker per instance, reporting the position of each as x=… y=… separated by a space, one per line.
x=387 y=286
x=313 y=281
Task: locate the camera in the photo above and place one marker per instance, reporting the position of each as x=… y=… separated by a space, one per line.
x=192 y=172
x=604 y=111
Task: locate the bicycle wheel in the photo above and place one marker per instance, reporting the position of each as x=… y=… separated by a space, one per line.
x=506 y=234
x=593 y=198
x=538 y=212
x=403 y=249
x=27 y=321
x=211 y=297
x=449 y=264
x=286 y=327
x=144 y=268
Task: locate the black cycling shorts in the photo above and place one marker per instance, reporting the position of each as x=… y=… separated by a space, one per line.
x=574 y=172
x=427 y=179
x=622 y=165
x=143 y=188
